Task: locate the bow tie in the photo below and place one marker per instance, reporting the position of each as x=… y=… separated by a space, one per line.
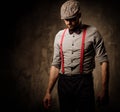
x=76 y=30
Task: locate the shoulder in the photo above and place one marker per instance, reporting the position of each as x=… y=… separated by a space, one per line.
x=60 y=32
x=92 y=30
x=58 y=36
x=89 y=28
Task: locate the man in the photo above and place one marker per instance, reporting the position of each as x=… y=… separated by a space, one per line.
x=75 y=49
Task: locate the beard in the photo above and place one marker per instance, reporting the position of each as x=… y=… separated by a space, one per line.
x=75 y=25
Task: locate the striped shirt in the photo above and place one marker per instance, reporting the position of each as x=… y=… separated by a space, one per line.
x=94 y=48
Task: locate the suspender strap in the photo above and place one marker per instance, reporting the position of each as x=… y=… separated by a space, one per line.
x=81 y=54
x=82 y=51
x=61 y=51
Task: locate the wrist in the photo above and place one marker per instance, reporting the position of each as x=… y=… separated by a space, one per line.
x=48 y=91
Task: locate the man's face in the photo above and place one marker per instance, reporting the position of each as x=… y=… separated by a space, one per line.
x=72 y=23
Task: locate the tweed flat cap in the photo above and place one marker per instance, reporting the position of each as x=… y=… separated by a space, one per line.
x=70 y=9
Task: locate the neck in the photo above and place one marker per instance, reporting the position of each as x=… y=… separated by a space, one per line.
x=79 y=26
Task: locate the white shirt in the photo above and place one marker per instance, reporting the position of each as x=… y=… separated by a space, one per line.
x=94 y=47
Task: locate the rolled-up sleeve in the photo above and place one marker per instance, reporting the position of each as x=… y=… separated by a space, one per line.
x=100 y=50
x=56 y=55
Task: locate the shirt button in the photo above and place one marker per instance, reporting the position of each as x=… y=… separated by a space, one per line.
x=72 y=44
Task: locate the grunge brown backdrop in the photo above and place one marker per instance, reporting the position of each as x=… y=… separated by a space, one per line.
x=29 y=28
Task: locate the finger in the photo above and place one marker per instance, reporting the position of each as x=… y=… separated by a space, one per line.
x=45 y=103
x=49 y=103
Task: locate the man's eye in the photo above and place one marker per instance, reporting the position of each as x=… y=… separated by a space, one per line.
x=73 y=19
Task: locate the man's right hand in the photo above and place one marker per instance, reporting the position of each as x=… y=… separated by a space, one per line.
x=47 y=101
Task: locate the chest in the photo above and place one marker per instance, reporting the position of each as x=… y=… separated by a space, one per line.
x=75 y=42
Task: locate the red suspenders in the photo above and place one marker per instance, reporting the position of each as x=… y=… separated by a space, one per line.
x=82 y=51
x=61 y=52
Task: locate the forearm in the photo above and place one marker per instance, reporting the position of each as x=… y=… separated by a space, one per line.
x=105 y=76
x=52 y=78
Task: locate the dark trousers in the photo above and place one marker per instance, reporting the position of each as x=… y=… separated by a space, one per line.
x=76 y=93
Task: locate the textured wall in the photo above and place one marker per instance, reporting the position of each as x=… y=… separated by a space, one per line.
x=28 y=47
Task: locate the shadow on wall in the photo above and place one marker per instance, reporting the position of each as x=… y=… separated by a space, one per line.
x=28 y=51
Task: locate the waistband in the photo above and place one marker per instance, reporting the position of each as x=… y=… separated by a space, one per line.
x=76 y=75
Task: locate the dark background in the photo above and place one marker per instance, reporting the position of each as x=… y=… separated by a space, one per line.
x=28 y=30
